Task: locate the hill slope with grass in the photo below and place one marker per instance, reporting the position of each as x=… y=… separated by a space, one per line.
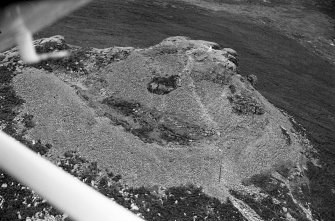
x=189 y=137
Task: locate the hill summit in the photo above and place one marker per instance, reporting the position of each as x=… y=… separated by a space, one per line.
x=175 y=113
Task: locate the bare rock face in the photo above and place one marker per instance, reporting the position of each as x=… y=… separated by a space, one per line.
x=174 y=113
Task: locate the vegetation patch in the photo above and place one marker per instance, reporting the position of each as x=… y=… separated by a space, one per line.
x=119 y=55
x=266 y=208
x=9 y=101
x=233 y=59
x=165 y=50
x=151 y=125
x=297 y=127
x=51 y=46
x=252 y=79
x=232 y=88
x=186 y=202
x=286 y=135
x=17 y=201
x=28 y=121
x=72 y=63
x=278 y=199
x=115 y=55
x=163 y=85
x=100 y=61
x=245 y=104
x=217 y=74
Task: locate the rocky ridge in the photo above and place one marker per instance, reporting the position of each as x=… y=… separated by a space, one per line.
x=174 y=113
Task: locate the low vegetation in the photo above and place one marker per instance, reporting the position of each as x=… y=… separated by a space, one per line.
x=151 y=125
x=277 y=199
x=163 y=85
x=245 y=104
x=187 y=202
x=28 y=121
x=72 y=63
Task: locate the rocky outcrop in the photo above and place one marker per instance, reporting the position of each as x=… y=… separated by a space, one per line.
x=174 y=113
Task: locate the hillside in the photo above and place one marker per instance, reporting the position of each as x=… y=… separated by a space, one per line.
x=175 y=116
x=286 y=43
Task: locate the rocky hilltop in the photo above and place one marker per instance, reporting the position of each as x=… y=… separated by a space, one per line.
x=177 y=114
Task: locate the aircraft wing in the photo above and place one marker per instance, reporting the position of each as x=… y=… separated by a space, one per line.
x=35 y=15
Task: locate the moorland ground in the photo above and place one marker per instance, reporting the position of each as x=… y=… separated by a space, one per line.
x=292 y=75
